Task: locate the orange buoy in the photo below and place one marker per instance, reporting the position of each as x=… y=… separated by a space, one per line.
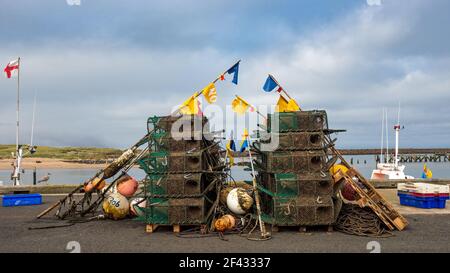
x=127 y=186
x=96 y=183
x=226 y=222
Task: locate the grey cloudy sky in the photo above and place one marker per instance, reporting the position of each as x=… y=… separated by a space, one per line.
x=101 y=68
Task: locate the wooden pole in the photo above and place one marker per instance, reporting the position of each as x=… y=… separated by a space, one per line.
x=282 y=89
x=262 y=227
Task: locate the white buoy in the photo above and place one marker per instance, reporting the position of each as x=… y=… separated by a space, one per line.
x=239 y=201
x=137 y=211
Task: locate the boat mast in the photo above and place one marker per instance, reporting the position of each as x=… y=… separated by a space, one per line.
x=387 y=135
x=397 y=132
x=382 y=136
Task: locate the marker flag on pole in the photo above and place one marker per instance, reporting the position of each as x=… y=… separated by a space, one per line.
x=191 y=106
x=286 y=106
x=244 y=143
x=270 y=84
x=235 y=71
x=210 y=93
x=11 y=66
x=240 y=106
x=426 y=172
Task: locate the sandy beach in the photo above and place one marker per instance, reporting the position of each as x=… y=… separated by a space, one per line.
x=48 y=163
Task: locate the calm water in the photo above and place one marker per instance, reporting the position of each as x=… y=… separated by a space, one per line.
x=77 y=176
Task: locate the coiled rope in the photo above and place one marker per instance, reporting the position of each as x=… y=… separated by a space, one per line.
x=360 y=221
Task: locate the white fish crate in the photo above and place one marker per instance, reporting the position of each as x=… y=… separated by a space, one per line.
x=423 y=188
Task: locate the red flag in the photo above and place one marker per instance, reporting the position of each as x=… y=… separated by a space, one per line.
x=279 y=89
x=10 y=67
x=222 y=77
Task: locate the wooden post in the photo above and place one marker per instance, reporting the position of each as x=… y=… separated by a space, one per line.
x=255 y=189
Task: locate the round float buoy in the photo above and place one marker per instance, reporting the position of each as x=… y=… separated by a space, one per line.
x=96 y=183
x=338 y=167
x=239 y=201
x=226 y=222
x=127 y=186
x=133 y=203
x=348 y=192
x=116 y=206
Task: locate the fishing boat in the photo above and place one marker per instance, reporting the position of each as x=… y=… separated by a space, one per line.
x=387 y=171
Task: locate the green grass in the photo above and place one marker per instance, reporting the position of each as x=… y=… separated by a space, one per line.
x=66 y=153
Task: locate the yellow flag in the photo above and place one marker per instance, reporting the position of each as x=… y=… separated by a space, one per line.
x=230 y=154
x=210 y=93
x=239 y=105
x=286 y=106
x=190 y=106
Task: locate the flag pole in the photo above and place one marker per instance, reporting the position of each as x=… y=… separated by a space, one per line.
x=225 y=72
x=282 y=89
x=262 y=227
x=17 y=165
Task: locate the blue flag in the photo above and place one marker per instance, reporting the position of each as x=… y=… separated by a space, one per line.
x=234 y=70
x=231 y=145
x=244 y=145
x=270 y=84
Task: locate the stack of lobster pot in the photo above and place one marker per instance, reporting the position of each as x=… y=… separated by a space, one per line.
x=293 y=168
x=183 y=169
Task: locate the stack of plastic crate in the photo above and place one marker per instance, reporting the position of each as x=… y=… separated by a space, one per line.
x=293 y=170
x=423 y=195
x=183 y=170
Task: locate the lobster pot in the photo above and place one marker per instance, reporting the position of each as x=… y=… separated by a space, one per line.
x=297 y=121
x=304 y=162
x=296 y=141
x=291 y=185
x=183 y=162
x=179 y=184
x=158 y=162
x=302 y=211
x=190 y=124
x=181 y=146
x=183 y=211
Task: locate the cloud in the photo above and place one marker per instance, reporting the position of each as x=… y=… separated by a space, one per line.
x=374 y=2
x=94 y=89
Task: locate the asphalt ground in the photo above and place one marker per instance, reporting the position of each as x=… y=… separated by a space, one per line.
x=426 y=233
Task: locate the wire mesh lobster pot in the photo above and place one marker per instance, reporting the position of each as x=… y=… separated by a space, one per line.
x=173 y=145
x=183 y=127
x=302 y=211
x=158 y=162
x=289 y=185
x=297 y=140
x=186 y=184
x=180 y=186
x=184 y=211
x=315 y=120
x=305 y=162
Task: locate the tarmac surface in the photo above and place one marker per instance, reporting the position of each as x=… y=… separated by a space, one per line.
x=425 y=233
